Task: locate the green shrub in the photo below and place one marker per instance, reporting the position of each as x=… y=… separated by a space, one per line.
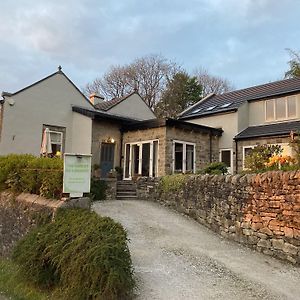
x=173 y=183
x=11 y=165
x=80 y=255
x=26 y=173
x=259 y=156
x=215 y=168
x=98 y=189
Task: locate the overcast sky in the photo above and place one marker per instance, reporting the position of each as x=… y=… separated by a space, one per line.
x=241 y=40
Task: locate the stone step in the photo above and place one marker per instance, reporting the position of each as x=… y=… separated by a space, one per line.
x=126 y=192
x=126 y=197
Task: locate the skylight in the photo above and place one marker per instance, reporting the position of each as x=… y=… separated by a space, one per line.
x=196 y=110
x=226 y=105
x=211 y=107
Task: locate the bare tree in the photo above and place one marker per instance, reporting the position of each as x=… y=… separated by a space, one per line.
x=148 y=75
x=212 y=84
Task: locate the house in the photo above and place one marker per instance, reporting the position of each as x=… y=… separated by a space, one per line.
x=46 y=103
x=118 y=133
x=263 y=114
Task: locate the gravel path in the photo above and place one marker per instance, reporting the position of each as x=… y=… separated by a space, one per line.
x=176 y=258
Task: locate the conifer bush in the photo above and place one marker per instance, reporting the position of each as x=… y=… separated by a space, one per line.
x=80 y=255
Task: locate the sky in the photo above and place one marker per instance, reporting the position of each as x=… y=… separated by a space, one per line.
x=243 y=41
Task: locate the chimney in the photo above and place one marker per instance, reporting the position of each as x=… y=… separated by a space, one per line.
x=95 y=98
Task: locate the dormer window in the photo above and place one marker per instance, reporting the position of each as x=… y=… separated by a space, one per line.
x=280 y=108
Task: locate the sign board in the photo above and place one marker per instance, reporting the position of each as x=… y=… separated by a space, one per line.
x=77 y=174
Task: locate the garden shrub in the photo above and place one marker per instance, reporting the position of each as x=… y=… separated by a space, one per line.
x=80 y=255
x=215 y=168
x=98 y=189
x=37 y=175
x=174 y=182
x=257 y=160
x=11 y=165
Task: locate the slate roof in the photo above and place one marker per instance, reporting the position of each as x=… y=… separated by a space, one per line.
x=276 y=129
x=108 y=104
x=155 y=123
x=230 y=101
x=98 y=114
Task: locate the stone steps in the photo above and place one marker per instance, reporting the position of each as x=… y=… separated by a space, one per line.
x=126 y=190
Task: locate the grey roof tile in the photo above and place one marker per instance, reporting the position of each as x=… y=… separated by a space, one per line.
x=276 y=129
x=236 y=98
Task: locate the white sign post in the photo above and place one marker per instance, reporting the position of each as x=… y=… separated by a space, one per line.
x=77 y=174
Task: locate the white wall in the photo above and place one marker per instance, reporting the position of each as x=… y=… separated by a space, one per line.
x=228 y=122
x=81 y=134
x=48 y=102
x=133 y=107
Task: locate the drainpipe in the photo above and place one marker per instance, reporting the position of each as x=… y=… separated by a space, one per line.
x=210 y=147
x=236 y=156
x=121 y=148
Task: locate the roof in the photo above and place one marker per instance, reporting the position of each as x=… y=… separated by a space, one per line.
x=106 y=105
x=230 y=101
x=277 y=129
x=7 y=94
x=155 y=123
x=96 y=114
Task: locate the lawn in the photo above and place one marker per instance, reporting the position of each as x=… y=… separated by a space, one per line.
x=13 y=287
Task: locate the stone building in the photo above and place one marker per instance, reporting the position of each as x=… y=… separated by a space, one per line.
x=121 y=132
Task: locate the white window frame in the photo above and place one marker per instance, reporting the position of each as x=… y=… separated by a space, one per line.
x=230 y=169
x=140 y=143
x=244 y=156
x=285 y=99
x=61 y=139
x=184 y=143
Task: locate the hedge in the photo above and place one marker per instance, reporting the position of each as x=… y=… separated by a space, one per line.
x=80 y=255
x=37 y=175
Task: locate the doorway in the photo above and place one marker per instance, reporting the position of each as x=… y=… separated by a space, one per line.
x=141 y=159
x=107 y=158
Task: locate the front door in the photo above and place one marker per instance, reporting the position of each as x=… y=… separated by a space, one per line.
x=107 y=158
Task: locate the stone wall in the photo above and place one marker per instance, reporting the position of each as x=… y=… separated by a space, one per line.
x=261 y=211
x=20 y=213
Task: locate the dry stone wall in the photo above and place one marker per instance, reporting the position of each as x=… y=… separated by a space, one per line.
x=20 y=213
x=261 y=211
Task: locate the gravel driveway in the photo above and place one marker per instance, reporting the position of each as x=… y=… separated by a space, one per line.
x=176 y=258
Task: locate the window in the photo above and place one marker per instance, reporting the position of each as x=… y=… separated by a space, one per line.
x=280 y=108
x=246 y=151
x=291 y=106
x=226 y=105
x=270 y=111
x=183 y=157
x=211 y=107
x=57 y=138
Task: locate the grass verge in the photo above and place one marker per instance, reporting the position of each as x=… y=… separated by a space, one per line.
x=13 y=287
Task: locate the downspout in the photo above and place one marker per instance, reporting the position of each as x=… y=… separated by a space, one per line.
x=236 y=156
x=210 y=147
x=121 y=147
